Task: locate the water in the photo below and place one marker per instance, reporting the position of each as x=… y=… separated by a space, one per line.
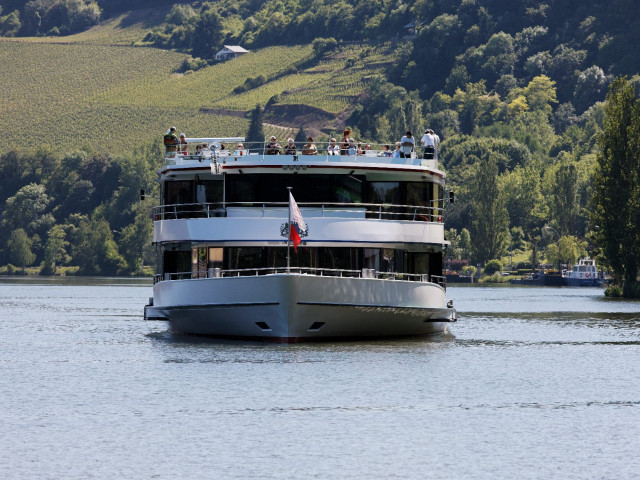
x=530 y=383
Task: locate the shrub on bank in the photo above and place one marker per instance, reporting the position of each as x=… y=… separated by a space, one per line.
x=614 y=291
x=495 y=278
x=492 y=267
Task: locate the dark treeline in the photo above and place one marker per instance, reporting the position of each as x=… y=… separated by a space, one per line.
x=79 y=209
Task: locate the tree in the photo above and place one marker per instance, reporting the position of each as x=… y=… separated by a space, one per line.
x=493 y=266
x=563 y=198
x=26 y=208
x=209 y=35
x=255 y=135
x=95 y=250
x=301 y=137
x=20 y=252
x=615 y=204
x=133 y=240
x=489 y=218
x=54 y=250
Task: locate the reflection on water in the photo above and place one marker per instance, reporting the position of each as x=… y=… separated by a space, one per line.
x=529 y=383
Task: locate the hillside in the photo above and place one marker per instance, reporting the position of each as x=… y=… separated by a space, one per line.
x=101 y=90
x=515 y=90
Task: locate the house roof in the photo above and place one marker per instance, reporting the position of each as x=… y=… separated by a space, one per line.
x=413 y=24
x=236 y=48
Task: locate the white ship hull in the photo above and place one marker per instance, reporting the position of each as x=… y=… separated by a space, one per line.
x=296 y=307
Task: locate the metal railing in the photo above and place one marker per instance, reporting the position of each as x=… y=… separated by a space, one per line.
x=208 y=149
x=321 y=272
x=377 y=211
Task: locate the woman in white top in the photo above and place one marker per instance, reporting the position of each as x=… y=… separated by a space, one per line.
x=333 y=148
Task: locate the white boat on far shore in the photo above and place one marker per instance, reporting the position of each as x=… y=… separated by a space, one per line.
x=584 y=274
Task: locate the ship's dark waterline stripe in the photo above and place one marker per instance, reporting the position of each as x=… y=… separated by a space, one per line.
x=219 y=305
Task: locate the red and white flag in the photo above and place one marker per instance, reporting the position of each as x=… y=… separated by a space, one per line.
x=297 y=224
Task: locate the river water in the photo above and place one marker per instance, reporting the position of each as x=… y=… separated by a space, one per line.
x=530 y=383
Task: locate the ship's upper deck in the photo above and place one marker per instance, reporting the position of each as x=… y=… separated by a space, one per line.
x=253 y=158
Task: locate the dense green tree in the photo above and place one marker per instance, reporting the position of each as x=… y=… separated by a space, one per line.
x=19 y=246
x=255 y=135
x=489 y=218
x=523 y=197
x=135 y=237
x=10 y=24
x=208 y=39
x=301 y=137
x=27 y=210
x=95 y=250
x=55 y=250
x=615 y=208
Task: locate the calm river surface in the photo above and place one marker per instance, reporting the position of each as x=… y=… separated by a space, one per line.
x=530 y=383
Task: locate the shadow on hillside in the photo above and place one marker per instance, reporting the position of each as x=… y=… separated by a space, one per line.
x=148 y=17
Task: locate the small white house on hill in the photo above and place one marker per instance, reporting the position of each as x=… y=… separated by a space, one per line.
x=230 y=51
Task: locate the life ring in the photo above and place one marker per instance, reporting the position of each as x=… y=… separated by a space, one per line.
x=587 y=274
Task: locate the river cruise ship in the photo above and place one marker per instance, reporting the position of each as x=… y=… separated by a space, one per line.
x=292 y=247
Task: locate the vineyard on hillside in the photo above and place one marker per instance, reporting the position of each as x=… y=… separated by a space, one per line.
x=85 y=94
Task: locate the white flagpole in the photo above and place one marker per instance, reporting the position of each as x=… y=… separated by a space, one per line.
x=289 y=235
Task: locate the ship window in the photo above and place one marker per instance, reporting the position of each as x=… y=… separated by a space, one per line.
x=215 y=255
x=176 y=193
x=209 y=191
x=419 y=193
x=176 y=261
x=246 y=257
x=305 y=188
x=383 y=192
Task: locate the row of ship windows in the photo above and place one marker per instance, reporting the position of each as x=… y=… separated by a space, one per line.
x=339 y=258
x=305 y=188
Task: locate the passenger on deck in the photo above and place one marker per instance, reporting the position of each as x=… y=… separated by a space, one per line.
x=352 y=150
x=183 y=144
x=429 y=145
x=239 y=151
x=344 y=144
x=199 y=150
x=359 y=149
x=309 y=148
x=333 y=148
x=171 y=142
x=436 y=141
x=290 y=147
x=386 y=151
x=273 y=147
x=407 y=143
x=396 y=152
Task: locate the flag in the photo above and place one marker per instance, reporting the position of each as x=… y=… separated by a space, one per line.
x=297 y=223
x=294 y=237
x=296 y=216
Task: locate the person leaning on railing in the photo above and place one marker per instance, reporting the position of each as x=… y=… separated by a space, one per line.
x=333 y=148
x=309 y=148
x=290 y=147
x=273 y=147
x=183 y=144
